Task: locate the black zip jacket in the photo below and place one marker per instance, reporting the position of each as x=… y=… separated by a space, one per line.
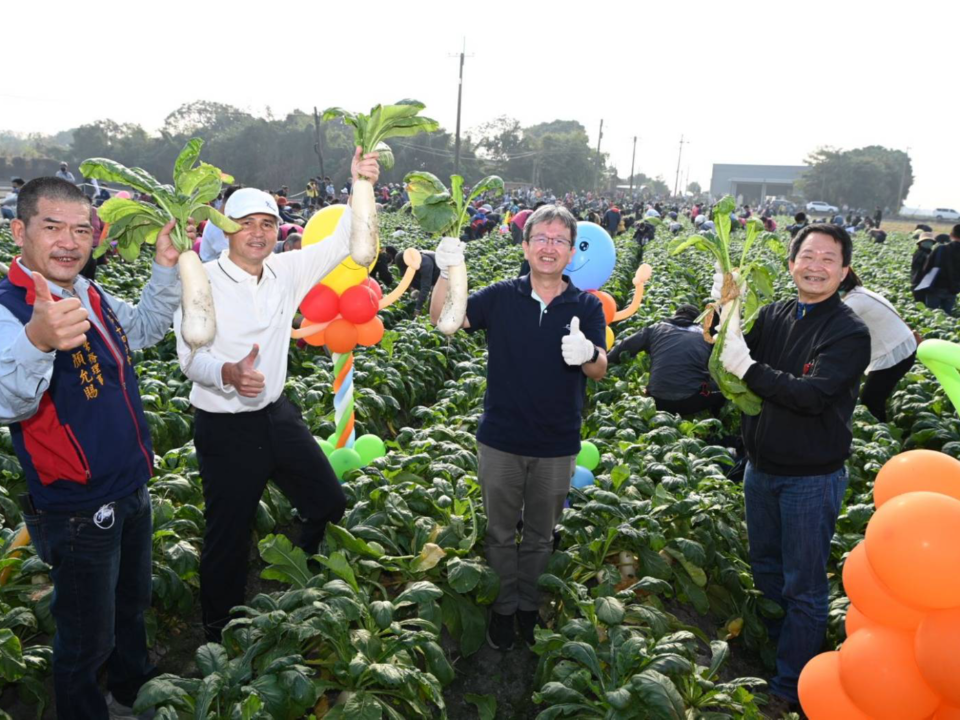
x=808 y=373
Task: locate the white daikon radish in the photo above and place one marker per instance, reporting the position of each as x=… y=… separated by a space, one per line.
x=455 y=304
x=199 y=325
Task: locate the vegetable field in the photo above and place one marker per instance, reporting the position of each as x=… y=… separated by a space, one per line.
x=390 y=620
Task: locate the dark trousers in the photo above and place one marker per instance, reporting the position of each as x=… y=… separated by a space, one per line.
x=238 y=454
x=790 y=523
x=939 y=299
x=712 y=401
x=100 y=567
x=880 y=385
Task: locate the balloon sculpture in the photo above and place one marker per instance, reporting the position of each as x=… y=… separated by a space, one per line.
x=591 y=267
x=341 y=313
x=901 y=659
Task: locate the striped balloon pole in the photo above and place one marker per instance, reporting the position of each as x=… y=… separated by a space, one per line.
x=343 y=398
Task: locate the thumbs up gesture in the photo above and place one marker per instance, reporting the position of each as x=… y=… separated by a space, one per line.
x=576 y=348
x=247 y=381
x=55 y=325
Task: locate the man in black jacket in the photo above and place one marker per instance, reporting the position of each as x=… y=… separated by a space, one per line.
x=804 y=358
x=679 y=379
x=942 y=293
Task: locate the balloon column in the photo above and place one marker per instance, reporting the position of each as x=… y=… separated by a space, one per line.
x=591 y=267
x=341 y=313
x=901 y=659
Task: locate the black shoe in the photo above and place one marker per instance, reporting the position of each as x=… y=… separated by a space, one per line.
x=500 y=632
x=528 y=620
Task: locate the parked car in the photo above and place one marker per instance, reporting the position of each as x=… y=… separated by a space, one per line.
x=821 y=207
x=941 y=213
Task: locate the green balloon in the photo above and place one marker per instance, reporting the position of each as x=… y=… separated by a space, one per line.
x=943 y=359
x=589 y=456
x=343 y=460
x=327 y=447
x=369 y=447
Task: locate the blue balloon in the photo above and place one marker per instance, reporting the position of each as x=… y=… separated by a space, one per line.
x=595 y=256
x=581 y=477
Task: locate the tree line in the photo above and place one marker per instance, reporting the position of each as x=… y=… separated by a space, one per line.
x=268 y=152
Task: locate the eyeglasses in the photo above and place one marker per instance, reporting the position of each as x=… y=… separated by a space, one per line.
x=542 y=240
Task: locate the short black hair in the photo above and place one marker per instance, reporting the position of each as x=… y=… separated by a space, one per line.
x=943 y=237
x=52 y=188
x=925 y=228
x=391 y=252
x=834 y=231
x=800 y=217
x=956 y=231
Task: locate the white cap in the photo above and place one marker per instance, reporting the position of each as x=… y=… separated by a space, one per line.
x=250 y=201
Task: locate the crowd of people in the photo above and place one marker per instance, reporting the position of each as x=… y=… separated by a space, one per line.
x=68 y=389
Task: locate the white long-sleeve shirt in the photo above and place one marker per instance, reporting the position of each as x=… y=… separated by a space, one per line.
x=891 y=339
x=251 y=311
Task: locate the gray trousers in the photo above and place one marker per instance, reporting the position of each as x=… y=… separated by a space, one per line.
x=533 y=488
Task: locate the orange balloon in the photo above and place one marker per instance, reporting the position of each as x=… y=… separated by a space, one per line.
x=370 y=333
x=821 y=694
x=879 y=672
x=871 y=598
x=341 y=336
x=856 y=620
x=937 y=644
x=609 y=304
x=913 y=544
x=947 y=712
x=317 y=338
x=914 y=470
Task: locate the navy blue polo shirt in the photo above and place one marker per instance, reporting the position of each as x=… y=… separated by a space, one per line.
x=534 y=400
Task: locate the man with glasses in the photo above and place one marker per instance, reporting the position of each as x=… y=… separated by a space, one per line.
x=545 y=337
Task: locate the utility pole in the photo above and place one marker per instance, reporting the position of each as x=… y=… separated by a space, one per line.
x=596 y=184
x=903 y=177
x=456 y=155
x=633 y=161
x=676 y=180
x=317 y=146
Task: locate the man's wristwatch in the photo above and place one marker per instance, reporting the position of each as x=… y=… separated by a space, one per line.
x=596 y=354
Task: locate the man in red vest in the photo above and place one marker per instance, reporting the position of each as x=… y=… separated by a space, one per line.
x=69 y=391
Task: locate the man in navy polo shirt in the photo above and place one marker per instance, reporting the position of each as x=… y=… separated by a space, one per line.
x=545 y=337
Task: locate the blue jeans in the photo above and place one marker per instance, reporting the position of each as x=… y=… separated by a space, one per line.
x=790 y=522
x=102 y=584
x=939 y=299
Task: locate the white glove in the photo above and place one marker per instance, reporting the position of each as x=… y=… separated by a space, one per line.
x=736 y=355
x=576 y=348
x=449 y=254
x=716 y=290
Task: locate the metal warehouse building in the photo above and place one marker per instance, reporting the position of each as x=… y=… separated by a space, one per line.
x=755 y=182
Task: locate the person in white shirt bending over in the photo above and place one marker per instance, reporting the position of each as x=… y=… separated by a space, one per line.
x=245 y=431
x=893 y=345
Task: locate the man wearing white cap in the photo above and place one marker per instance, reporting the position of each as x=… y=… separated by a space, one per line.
x=245 y=431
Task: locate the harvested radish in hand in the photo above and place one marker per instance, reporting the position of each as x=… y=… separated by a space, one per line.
x=134 y=222
x=444 y=213
x=369 y=131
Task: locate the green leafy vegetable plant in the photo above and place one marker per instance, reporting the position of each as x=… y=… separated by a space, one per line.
x=745 y=288
x=134 y=222
x=369 y=132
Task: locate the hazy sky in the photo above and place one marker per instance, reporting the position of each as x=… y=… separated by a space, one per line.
x=748 y=82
